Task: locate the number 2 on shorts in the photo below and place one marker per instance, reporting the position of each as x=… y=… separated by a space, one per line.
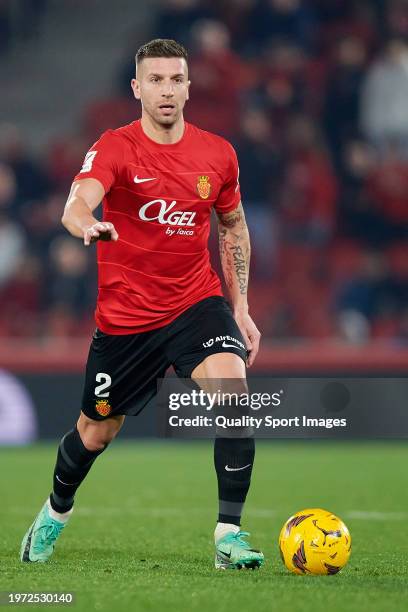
x=106 y=381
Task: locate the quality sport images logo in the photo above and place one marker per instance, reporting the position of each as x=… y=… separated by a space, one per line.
x=164 y=213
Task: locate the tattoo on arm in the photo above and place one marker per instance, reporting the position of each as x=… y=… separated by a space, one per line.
x=233 y=219
x=241 y=269
x=234 y=249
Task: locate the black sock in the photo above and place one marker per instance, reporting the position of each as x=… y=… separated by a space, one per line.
x=74 y=461
x=230 y=455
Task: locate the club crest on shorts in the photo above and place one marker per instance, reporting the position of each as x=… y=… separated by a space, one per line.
x=103 y=407
x=203 y=186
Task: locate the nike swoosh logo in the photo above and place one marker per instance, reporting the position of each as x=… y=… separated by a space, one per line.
x=26 y=554
x=230 y=469
x=67 y=484
x=221 y=552
x=225 y=345
x=142 y=180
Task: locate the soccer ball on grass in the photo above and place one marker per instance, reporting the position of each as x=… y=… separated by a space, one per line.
x=314 y=541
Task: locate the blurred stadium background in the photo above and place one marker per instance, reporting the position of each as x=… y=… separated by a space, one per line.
x=312 y=94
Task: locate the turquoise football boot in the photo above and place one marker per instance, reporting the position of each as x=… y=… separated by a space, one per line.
x=233 y=552
x=39 y=541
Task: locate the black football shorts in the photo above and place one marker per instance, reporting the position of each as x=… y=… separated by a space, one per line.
x=122 y=370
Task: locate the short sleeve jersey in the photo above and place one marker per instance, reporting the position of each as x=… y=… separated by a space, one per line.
x=159 y=198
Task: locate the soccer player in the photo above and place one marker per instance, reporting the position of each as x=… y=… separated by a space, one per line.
x=160 y=302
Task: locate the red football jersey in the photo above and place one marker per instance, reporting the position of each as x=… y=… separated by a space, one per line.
x=160 y=198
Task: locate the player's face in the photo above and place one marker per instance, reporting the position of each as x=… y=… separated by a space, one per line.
x=161 y=85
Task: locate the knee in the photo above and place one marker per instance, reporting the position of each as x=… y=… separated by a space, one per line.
x=96 y=435
x=95 y=441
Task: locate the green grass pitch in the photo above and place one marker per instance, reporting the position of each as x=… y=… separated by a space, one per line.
x=141 y=534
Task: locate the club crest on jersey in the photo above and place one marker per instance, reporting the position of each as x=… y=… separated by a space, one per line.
x=103 y=407
x=203 y=186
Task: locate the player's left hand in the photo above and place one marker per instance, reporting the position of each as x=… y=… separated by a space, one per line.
x=251 y=334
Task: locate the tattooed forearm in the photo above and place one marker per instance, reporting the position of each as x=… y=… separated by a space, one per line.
x=234 y=251
x=241 y=268
x=226 y=259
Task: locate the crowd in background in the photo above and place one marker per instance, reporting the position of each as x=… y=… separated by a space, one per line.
x=313 y=95
x=19 y=21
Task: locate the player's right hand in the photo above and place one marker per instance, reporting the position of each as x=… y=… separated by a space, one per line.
x=100 y=231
